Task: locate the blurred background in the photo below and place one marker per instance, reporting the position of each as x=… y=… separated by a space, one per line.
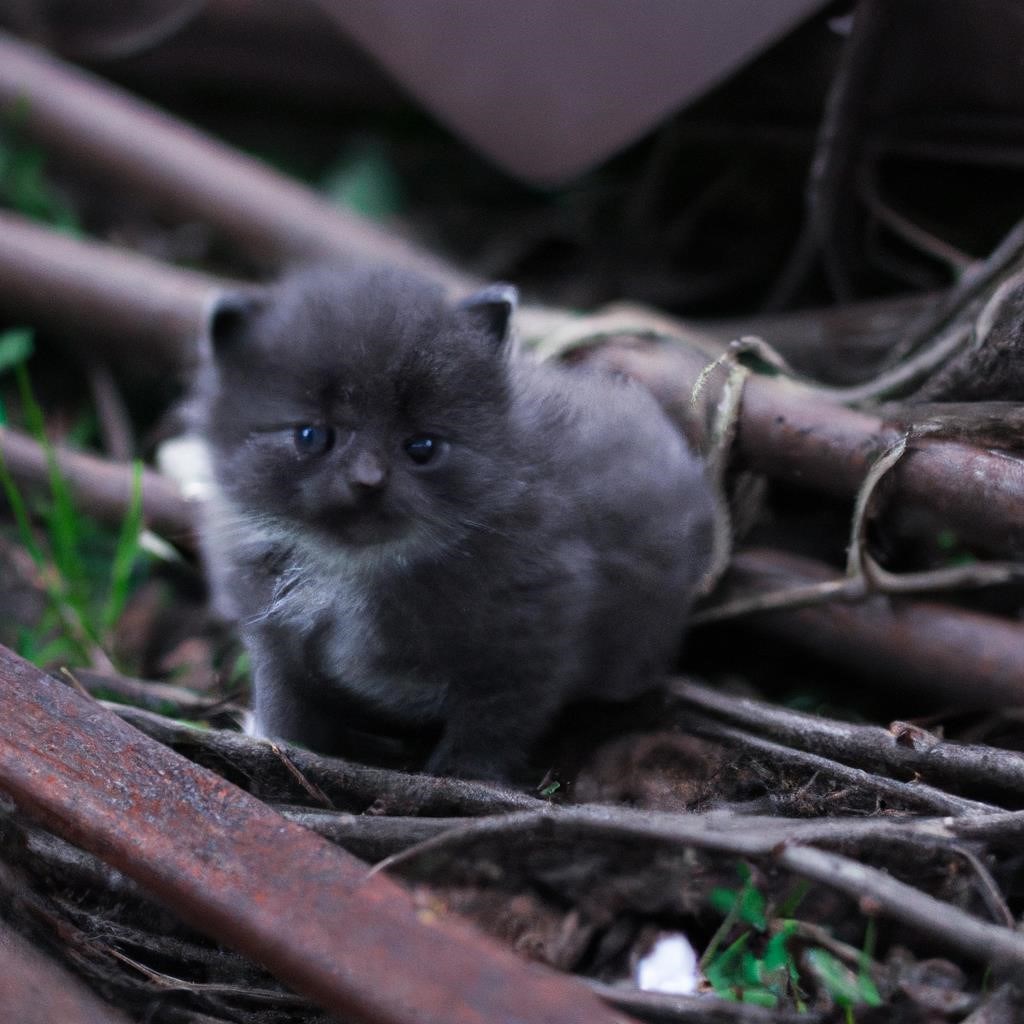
x=710 y=159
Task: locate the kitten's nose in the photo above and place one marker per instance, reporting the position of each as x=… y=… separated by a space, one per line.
x=368 y=471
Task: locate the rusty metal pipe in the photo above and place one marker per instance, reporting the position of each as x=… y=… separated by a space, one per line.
x=358 y=945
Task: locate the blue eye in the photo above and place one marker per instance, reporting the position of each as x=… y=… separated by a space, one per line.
x=423 y=448
x=313 y=439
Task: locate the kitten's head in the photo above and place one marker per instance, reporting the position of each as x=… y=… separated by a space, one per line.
x=360 y=407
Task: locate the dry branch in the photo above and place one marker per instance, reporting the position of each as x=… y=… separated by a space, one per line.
x=839 y=345
x=792 y=433
x=926 y=646
x=896 y=794
x=991 y=944
x=901 y=751
x=155 y=696
x=667 y=1009
x=130 y=310
x=346 y=784
x=833 y=167
x=370 y=837
x=102 y=488
x=271 y=220
x=240 y=872
x=776 y=839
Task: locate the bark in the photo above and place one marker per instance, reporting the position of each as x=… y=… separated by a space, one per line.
x=791 y=432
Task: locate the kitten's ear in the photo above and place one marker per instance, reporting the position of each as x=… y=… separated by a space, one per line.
x=229 y=318
x=492 y=308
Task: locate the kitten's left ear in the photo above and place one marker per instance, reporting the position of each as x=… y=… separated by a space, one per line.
x=228 y=318
x=492 y=308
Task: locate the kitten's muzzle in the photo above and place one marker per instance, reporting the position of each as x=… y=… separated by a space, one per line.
x=367 y=472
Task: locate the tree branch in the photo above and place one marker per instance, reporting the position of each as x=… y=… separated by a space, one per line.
x=102 y=488
x=269 y=218
x=924 y=645
x=790 y=432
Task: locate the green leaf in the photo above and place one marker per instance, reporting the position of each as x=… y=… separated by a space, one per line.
x=750 y=969
x=752 y=907
x=58 y=650
x=776 y=950
x=365 y=181
x=722 y=970
x=61 y=517
x=794 y=899
x=24 y=185
x=723 y=900
x=21 y=518
x=15 y=348
x=845 y=987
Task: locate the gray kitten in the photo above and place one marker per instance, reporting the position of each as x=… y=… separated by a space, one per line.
x=417 y=528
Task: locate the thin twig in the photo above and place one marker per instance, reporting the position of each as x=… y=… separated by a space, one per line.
x=864 y=745
x=911 y=795
x=780 y=841
x=114 y=421
x=982 y=942
x=833 y=164
x=153 y=695
x=310 y=787
x=349 y=786
x=965 y=298
x=669 y=1009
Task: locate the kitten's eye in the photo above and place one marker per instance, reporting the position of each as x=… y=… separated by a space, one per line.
x=313 y=439
x=423 y=448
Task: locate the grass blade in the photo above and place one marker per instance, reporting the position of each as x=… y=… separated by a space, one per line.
x=21 y=517
x=61 y=516
x=126 y=554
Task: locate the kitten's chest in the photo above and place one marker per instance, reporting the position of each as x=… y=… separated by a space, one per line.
x=355 y=646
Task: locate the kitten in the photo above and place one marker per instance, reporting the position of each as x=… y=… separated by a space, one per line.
x=417 y=528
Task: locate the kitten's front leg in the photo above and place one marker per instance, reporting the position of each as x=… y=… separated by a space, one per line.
x=490 y=735
x=283 y=701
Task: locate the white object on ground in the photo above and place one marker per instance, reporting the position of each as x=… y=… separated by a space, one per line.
x=670 y=966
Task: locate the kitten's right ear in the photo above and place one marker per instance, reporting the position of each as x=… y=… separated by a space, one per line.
x=229 y=319
x=492 y=309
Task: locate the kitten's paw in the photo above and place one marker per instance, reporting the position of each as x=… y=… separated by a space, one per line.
x=476 y=765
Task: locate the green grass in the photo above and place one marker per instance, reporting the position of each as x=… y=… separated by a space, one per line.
x=760 y=965
x=365 y=180
x=87 y=571
x=24 y=185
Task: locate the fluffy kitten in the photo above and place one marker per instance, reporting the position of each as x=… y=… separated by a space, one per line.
x=417 y=528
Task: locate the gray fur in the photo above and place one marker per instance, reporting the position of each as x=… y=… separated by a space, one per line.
x=549 y=555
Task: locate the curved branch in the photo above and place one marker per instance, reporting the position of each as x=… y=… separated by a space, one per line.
x=781 y=840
